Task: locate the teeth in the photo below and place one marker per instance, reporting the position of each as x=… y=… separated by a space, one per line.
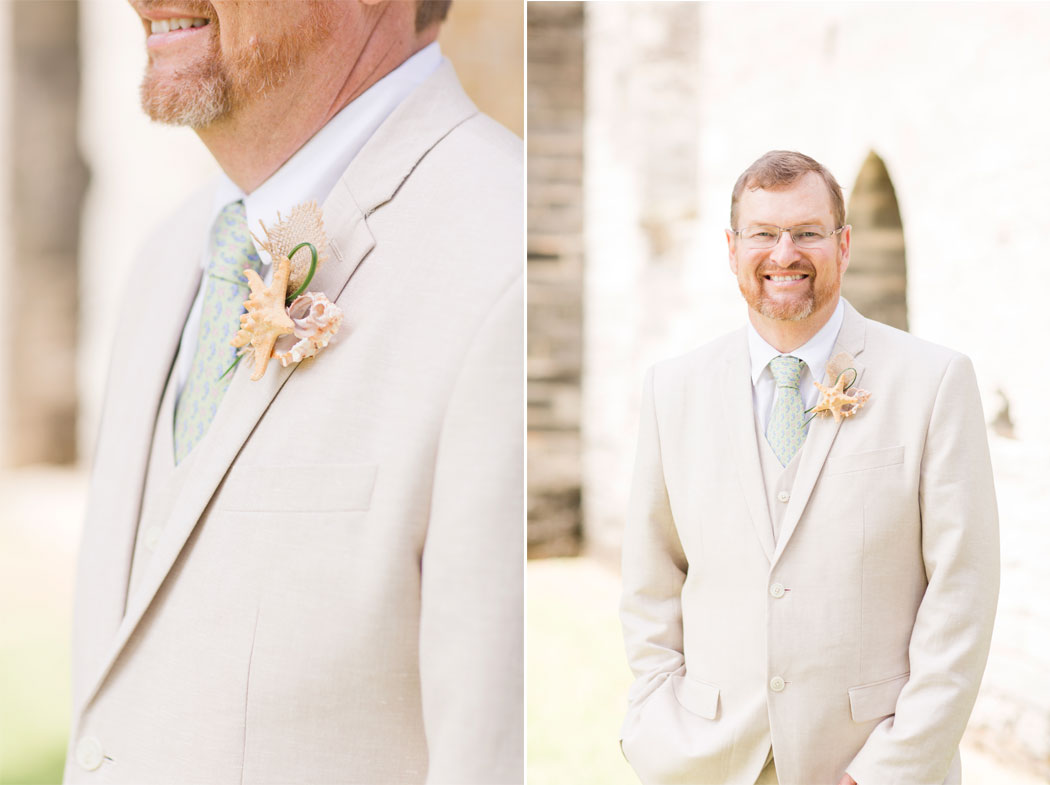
x=177 y=23
x=779 y=278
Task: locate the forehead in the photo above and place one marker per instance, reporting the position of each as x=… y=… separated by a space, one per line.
x=805 y=201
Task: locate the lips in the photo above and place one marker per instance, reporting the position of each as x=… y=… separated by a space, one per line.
x=168 y=21
x=173 y=30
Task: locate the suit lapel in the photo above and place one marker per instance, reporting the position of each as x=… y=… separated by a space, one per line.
x=822 y=432
x=374 y=177
x=159 y=293
x=743 y=440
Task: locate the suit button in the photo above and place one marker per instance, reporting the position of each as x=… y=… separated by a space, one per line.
x=89 y=753
x=777 y=590
x=776 y=684
x=784 y=496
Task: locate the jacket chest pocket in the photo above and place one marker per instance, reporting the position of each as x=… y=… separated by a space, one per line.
x=864 y=461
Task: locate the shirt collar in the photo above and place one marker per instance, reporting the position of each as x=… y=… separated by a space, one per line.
x=815 y=352
x=316 y=167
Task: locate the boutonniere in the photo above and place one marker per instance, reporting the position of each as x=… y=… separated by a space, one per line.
x=841 y=399
x=297 y=245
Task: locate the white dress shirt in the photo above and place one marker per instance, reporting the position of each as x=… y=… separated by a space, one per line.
x=311 y=173
x=815 y=353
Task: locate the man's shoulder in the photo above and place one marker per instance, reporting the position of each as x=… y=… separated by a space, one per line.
x=913 y=355
x=478 y=159
x=705 y=357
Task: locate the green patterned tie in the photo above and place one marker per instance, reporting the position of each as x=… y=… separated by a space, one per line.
x=230 y=252
x=786 y=430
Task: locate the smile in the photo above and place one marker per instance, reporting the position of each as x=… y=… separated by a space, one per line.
x=784 y=278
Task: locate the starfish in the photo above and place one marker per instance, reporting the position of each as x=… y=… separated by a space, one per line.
x=837 y=400
x=266 y=319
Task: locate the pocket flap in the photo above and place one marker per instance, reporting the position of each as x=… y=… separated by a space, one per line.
x=698 y=696
x=320 y=488
x=878 y=699
x=872 y=459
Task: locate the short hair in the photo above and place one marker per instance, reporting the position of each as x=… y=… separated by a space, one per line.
x=430 y=12
x=781 y=168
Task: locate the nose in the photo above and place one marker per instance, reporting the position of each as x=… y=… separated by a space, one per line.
x=785 y=252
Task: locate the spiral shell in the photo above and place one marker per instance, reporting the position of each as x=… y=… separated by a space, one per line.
x=315 y=320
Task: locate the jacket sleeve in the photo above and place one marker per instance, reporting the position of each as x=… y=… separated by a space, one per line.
x=953 y=627
x=653 y=572
x=472 y=622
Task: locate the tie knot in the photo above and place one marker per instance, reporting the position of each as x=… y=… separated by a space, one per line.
x=787 y=370
x=232 y=250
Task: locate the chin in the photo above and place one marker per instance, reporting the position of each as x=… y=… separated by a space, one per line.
x=785 y=312
x=195 y=97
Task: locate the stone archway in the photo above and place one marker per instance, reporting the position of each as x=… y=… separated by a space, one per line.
x=876 y=281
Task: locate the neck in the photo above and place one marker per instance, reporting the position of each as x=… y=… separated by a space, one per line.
x=256 y=139
x=786 y=336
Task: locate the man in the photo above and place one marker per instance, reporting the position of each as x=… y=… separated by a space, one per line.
x=315 y=576
x=806 y=601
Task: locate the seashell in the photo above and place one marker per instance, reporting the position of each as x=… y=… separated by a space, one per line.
x=265 y=319
x=316 y=319
x=304 y=224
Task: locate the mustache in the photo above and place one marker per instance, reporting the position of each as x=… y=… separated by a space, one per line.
x=199 y=8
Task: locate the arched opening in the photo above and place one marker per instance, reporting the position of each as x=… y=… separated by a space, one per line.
x=876 y=281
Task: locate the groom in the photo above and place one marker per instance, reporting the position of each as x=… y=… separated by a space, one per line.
x=314 y=576
x=806 y=600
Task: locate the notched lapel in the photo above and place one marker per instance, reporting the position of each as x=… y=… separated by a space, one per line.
x=822 y=432
x=159 y=293
x=743 y=439
x=243 y=405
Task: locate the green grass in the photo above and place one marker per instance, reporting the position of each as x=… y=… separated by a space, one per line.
x=34 y=661
x=577 y=675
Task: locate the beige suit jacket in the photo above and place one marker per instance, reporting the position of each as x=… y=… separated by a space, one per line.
x=854 y=642
x=337 y=593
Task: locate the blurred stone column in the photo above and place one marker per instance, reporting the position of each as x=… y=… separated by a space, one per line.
x=555 y=273
x=643 y=107
x=48 y=179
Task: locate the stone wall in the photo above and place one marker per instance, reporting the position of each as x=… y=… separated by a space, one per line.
x=555 y=274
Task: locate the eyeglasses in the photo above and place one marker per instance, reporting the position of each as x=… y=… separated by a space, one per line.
x=768 y=236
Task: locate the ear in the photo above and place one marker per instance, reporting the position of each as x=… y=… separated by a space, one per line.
x=844 y=241
x=731 y=242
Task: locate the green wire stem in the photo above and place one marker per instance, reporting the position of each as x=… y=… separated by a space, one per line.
x=239 y=356
x=309 y=275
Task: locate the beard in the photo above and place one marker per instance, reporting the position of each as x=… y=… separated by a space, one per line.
x=195 y=96
x=211 y=87
x=783 y=308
